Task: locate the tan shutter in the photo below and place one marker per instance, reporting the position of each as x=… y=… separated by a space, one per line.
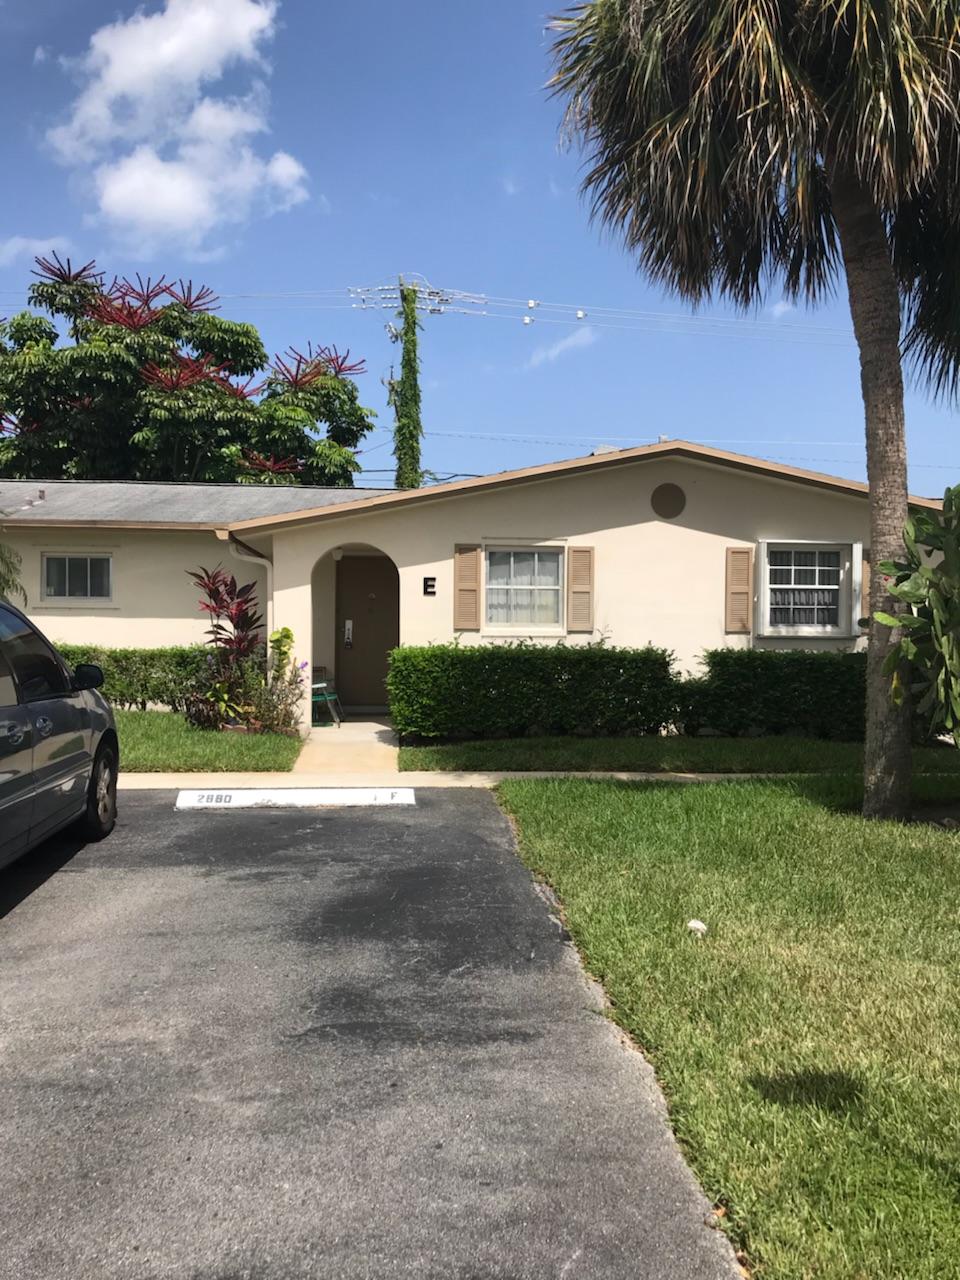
x=738 y=610
x=580 y=588
x=466 y=588
x=865 y=584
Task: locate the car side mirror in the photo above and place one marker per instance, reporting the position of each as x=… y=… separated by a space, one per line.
x=88 y=676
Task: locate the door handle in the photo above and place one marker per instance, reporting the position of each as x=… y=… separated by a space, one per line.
x=44 y=726
x=348 y=633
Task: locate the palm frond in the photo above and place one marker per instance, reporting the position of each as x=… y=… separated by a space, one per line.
x=711 y=128
x=10 y=566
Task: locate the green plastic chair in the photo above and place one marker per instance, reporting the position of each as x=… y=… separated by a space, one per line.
x=323 y=694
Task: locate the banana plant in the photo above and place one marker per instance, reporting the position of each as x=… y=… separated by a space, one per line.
x=927 y=580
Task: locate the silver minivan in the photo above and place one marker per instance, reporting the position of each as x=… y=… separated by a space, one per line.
x=58 y=742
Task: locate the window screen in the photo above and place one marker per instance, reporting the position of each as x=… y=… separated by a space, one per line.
x=804 y=587
x=523 y=588
x=76 y=577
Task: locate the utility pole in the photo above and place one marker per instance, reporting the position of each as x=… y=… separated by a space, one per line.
x=404 y=393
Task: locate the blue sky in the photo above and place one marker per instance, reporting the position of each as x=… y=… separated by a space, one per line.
x=273 y=150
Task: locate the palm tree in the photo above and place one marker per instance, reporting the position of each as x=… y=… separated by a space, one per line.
x=735 y=144
x=10 y=584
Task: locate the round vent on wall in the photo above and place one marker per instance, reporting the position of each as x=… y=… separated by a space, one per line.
x=668 y=500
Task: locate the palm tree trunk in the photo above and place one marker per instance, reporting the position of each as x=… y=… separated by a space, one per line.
x=875 y=308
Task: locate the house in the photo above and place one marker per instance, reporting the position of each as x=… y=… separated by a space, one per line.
x=672 y=544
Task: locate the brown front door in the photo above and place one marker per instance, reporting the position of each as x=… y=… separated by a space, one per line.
x=368 y=627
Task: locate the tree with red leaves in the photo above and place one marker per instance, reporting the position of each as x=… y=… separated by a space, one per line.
x=146 y=382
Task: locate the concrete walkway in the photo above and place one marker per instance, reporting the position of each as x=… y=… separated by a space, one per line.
x=356 y=747
x=349 y=1045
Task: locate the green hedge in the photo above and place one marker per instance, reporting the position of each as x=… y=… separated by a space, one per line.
x=136 y=678
x=819 y=695
x=508 y=691
x=511 y=691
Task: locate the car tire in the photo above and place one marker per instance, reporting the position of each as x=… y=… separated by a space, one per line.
x=100 y=816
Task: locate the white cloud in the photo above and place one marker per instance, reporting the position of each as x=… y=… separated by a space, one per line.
x=510 y=186
x=781 y=308
x=173 y=163
x=40 y=54
x=16 y=247
x=156 y=197
x=584 y=337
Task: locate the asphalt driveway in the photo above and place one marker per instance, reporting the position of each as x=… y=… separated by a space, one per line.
x=271 y=1045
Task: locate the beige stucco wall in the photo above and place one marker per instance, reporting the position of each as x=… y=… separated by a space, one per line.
x=153 y=601
x=656 y=581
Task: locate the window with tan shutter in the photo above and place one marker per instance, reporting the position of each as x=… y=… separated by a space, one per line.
x=537 y=590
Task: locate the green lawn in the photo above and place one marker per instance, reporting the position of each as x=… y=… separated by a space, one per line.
x=809 y=1046
x=708 y=755
x=160 y=742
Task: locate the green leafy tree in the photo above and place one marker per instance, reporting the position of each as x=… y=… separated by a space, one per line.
x=927 y=581
x=141 y=381
x=404 y=394
x=738 y=144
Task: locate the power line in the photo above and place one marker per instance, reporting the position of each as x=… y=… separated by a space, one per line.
x=530 y=312
x=636 y=440
x=442 y=301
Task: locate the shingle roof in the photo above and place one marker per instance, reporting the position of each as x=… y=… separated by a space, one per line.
x=238 y=508
x=144 y=503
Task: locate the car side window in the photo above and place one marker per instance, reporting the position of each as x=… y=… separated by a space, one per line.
x=38 y=671
x=8 y=690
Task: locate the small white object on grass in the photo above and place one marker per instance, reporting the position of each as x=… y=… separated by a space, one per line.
x=697 y=927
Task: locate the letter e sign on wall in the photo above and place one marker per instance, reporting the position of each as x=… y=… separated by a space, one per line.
x=429 y=586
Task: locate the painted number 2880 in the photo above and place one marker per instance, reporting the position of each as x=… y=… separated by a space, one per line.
x=215 y=797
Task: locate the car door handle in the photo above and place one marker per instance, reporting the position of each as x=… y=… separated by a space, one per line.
x=43 y=725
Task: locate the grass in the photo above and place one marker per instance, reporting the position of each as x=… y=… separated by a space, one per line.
x=161 y=742
x=708 y=755
x=809 y=1046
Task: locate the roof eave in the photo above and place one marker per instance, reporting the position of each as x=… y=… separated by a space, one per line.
x=575 y=466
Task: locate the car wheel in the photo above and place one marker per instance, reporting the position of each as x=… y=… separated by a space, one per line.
x=101 y=812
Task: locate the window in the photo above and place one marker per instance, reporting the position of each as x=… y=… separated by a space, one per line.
x=36 y=668
x=524 y=588
x=76 y=577
x=809 y=589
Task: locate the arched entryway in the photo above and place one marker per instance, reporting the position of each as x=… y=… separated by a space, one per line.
x=356 y=607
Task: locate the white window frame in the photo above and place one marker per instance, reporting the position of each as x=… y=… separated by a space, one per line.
x=851 y=575
x=76 y=601
x=522 y=630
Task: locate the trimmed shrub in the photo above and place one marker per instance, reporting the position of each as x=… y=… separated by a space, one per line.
x=764 y=691
x=136 y=678
x=509 y=691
